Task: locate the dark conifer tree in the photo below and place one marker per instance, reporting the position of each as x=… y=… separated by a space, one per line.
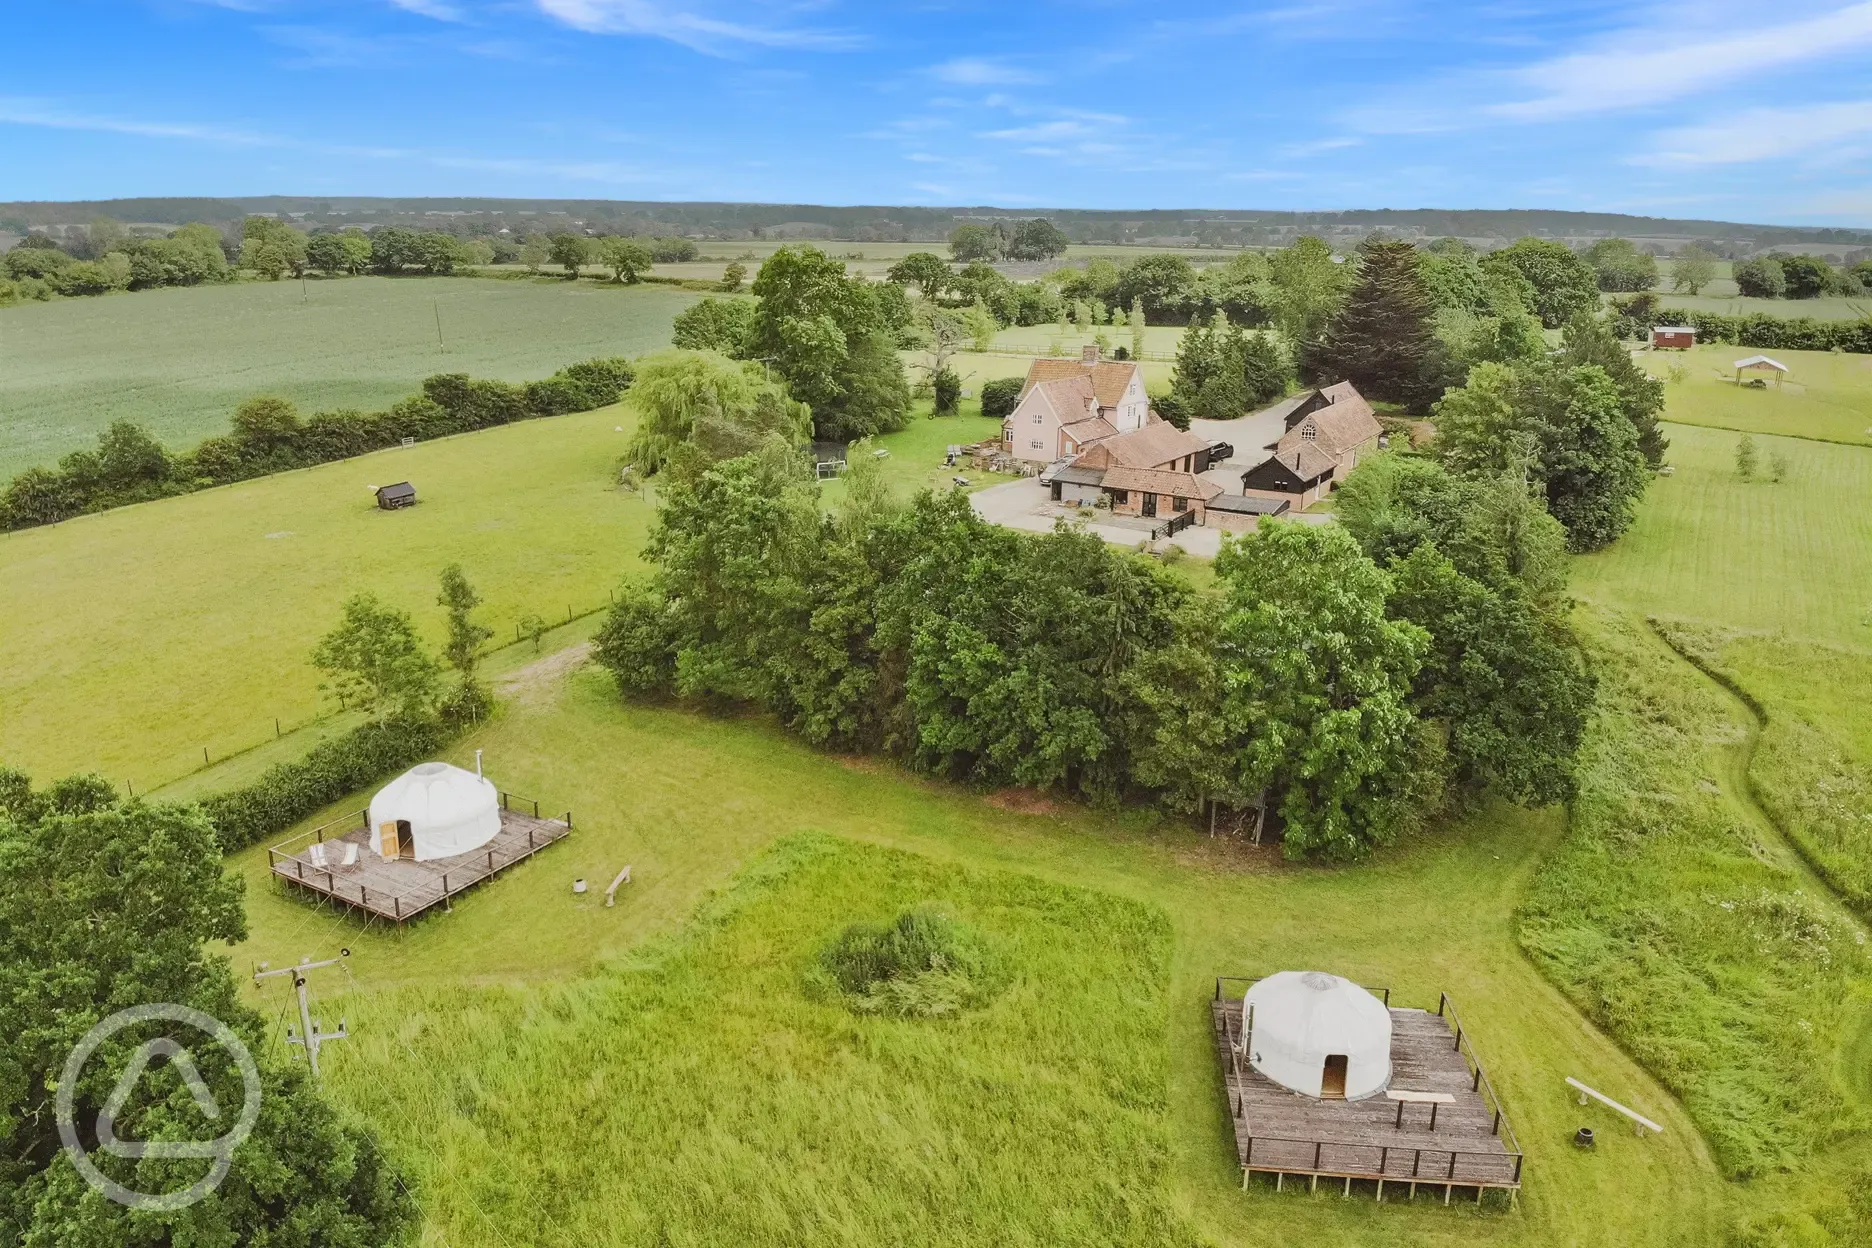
x=1383 y=340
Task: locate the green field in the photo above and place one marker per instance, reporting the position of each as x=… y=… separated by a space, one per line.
x=689 y=800
x=1793 y=557
x=550 y=1070
x=138 y=637
x=1824 y=395
x=178 y=361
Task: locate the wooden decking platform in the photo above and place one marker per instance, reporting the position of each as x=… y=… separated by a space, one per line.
x=1283 y=1133
x=400 y=889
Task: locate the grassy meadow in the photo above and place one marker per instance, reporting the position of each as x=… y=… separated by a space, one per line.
x=179 y=361
x=1793 y=557
x=1814 y=767
x=565 y=1001
x=1825 y=395
x=136 y=638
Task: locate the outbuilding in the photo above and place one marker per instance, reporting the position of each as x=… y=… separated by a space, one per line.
x=1673 y=337
x=391 y=497
x=434 y=810
x=1761 y=366
x=1319 y=1035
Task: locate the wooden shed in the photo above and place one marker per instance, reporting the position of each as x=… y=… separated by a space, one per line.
x=1673 y=337
x=391 y=497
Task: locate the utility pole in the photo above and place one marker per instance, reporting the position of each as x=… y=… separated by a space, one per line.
x=440 y=345
x=309 y=1036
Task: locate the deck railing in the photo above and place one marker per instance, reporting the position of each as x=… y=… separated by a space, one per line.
x=1446 y=1010
x=1463 y=1167
x=1479 y=1083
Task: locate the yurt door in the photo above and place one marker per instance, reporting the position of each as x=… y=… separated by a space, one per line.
x=388 y=841
x=1332 y=1079
x=406 y=848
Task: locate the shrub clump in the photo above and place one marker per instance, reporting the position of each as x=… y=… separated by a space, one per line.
x=922 y=964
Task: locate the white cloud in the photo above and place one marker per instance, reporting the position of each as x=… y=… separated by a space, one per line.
x=1655 y=65
x=692 y=30
x=981 y=71
x=1317 y=146
x=23 y=112
x=1761 y=134
x=1041 y=132
x=430 y=8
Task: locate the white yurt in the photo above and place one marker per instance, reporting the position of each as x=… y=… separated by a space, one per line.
x=434 y=810
x=1318 y=1034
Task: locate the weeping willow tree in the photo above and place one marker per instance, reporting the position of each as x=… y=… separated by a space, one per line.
x=715 y=407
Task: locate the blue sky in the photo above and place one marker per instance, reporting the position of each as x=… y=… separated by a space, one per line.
x=1749 y=112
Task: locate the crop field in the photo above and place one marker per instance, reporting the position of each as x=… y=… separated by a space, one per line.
x=1825 y=308
x=562 y=1001
x=872 y=259
x=1793 y=557
x=1824 y=395
x=179 y=361
x=138 y=637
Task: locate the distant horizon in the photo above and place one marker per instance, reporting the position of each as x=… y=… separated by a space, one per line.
x=1721 y=112
x=1169 y=216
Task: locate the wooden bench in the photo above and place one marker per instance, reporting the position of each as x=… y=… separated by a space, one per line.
x=1404 y=1096
x=1643 y=1123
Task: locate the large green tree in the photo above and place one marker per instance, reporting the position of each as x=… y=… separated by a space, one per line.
x=1501 y=675
x=696 y=407
x=723 y=325
x=1317 y=681
x=834 y=339
x=1037 y=239
x=1589 y=339
x=1309 y=286
x=925 y=270
x=1621 y=267
x=1562 y=427
x=1563 y=283
x=1383 y=337
x=1692 y=268
x=106 y=905
x=374 y=661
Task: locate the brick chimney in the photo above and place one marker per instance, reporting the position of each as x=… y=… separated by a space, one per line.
x=1088 y=354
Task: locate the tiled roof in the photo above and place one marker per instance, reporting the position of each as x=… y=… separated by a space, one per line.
x=1089 y=430
x=1109 y=378
x=1304 y=460
x=1344 y=423
x=1152 y=446
x=1243 y=505
x=1156 y=481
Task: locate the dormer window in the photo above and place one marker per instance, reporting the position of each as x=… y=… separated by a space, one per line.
x=1309 y=431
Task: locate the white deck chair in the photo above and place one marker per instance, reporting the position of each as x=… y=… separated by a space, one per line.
x=350 y=854
x=317 y=854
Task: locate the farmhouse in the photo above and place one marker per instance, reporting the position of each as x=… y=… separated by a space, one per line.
x=1328 y=432
x=1067 y=405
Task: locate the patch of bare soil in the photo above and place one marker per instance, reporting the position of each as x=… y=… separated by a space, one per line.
x=1023 y=802
x=544 y=671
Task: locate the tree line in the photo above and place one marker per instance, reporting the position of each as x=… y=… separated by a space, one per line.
x=1634 y=318
x=108 y=258
x=1359 y=678
x=268 y=435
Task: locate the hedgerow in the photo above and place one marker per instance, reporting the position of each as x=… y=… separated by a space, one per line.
x=130 y=466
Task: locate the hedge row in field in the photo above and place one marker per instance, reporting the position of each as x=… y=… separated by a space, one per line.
x=130 y=466
x=1635 y=318
x=288 y=792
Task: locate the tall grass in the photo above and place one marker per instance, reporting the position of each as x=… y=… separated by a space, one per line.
x=1813 y=770
x=697 y=1094
x=1680 y=924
